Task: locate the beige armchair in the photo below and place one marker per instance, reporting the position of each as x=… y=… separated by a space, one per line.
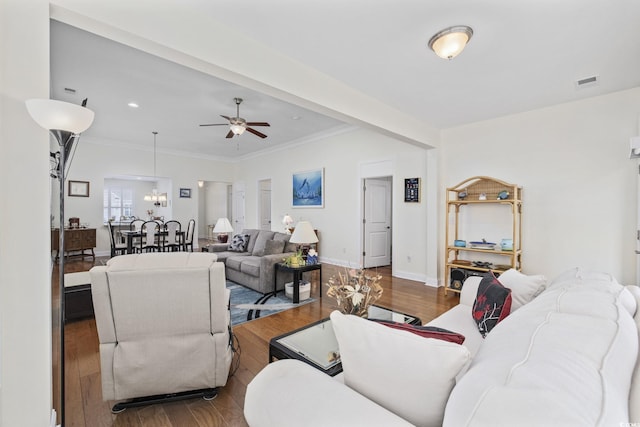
x=163 y=324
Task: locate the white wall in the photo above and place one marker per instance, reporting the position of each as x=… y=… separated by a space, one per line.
x=343 y=158
x=93 y=161
x=25 y=275
x=572 y=161
x=215 y=203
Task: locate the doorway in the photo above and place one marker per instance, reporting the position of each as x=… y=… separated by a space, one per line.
x=264 y=204
x=376 y=221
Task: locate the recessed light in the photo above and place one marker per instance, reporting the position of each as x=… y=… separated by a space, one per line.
x=133 y=105
x=295 y=117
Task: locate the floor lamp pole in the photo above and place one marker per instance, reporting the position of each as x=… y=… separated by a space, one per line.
x=63 y=139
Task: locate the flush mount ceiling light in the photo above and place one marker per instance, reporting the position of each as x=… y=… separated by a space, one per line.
x=449 y=42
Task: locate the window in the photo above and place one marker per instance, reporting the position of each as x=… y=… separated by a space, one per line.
x=118 y=202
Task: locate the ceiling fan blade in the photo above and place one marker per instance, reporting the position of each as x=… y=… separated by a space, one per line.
x=258 y=124
x=256 y=133
x=216 y=124
x=230 y=134
x=226 y=117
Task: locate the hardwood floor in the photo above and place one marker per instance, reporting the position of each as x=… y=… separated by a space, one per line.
x=85 y=407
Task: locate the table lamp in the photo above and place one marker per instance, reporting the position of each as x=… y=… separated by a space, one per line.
x=222 y=227
x=303 y=235
x=287 y=221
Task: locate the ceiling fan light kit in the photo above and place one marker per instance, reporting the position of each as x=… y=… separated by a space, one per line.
x=237 y=125
x=448 y=43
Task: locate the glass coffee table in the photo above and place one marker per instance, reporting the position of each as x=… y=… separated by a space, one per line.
x=316 y=344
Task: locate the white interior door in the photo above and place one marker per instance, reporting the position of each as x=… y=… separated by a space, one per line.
x=377 y=222
x=238 y=211
x=265 y=204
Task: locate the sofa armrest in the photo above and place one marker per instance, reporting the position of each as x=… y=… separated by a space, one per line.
x=217 y=247
x=268 y=266
x=102 y=304
x=290 y=392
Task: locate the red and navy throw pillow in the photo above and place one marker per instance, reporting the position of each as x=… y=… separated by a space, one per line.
x=492 y=304
x=425 y=331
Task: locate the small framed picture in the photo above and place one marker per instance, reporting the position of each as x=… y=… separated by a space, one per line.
x=185 y=193
x=79 y=188
x=412 y=190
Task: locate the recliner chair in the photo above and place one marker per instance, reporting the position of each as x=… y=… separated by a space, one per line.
x=164 y=326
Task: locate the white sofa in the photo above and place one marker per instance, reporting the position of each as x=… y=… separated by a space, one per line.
x=569 y=357
x=163 y=323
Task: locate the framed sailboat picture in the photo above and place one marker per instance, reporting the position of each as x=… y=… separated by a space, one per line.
x=307 y=189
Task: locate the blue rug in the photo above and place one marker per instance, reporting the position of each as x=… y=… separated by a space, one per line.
x=247 y=304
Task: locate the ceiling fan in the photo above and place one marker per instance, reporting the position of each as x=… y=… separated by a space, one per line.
x=237 y=125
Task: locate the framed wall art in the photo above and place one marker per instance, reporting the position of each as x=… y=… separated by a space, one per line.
x=78 y=188
x=412 y=190
x=185 y=193
x=307 y=189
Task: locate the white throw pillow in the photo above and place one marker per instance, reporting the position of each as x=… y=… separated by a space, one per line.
x=523 y=288
x=409 y=375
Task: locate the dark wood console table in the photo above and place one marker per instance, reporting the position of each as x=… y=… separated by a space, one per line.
x=75 y=240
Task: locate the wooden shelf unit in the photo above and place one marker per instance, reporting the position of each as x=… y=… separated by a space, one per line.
x=75 y=240
x=461 y=201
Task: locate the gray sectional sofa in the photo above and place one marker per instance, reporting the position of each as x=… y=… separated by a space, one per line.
x=254 y=267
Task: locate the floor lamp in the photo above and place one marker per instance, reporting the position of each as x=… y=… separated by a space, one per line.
x=65 y=122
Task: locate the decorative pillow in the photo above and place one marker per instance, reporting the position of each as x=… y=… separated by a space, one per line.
x=239 y=243
x=273 y=247
x=377 y=359
x=261 y=241
x=492 y=304
x=425 y=331
x=523 y=288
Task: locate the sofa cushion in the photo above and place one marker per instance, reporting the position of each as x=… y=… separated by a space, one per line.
x=493 y=303
x=261 y=242
x=425 y=331
x=239 y=243
x=273 y=247
x=234 y=262
x=459 y=319
x=523 y=288
x=253 y=234
x=375 y=360
x=288 y=247
x=250 y=265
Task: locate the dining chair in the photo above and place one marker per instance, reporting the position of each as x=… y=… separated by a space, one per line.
x=150 y=235
x=172 y=238
x=136 y=225
x=116 y=248
x=188 y=238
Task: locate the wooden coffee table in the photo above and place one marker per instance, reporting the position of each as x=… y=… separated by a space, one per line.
x=316 y=344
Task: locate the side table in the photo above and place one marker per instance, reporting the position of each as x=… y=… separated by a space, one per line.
x=297 y=277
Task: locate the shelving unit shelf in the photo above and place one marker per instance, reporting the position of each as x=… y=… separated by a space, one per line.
x=462 y=200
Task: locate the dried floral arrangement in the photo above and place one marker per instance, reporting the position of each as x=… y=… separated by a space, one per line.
x=355 y=291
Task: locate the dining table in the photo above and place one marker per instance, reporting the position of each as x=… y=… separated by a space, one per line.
x=130 y=235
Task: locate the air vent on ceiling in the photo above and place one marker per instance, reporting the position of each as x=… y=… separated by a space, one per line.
x=587 y=81
x=69 y=90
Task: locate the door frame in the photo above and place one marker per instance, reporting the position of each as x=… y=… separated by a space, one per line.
x=377 y=169
x=364 y=224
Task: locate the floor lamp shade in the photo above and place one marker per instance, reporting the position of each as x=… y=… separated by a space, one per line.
x=59 y=115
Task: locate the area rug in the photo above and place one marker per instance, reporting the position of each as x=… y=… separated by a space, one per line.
x=247 y=304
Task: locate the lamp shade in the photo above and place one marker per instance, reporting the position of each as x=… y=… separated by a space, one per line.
x=222 y=226
x=59 y=115
x=287 y=220
x=449 y=42
x=303 y=233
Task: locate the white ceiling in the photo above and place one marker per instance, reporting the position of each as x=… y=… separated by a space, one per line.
x=523 y=55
